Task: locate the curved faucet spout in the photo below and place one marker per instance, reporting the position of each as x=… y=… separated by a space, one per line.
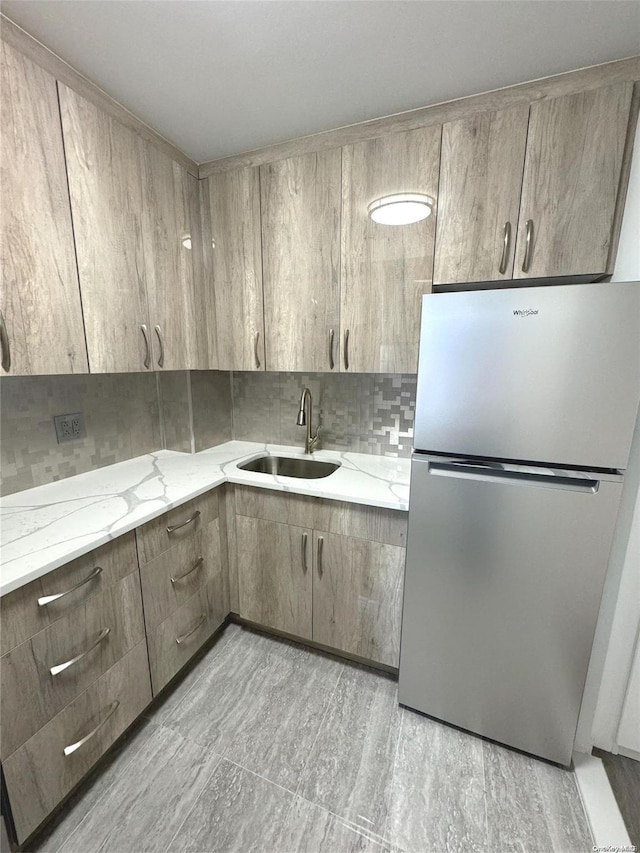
x=304 y=419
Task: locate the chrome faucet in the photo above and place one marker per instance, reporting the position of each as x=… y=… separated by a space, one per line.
x=304 y=419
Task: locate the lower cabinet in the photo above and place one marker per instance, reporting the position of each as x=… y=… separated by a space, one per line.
x=318 y=582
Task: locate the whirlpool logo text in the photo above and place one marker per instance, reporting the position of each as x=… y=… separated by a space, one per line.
x=525 y=312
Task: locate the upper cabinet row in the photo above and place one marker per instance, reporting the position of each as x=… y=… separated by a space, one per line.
x=101 y=239
x=305 y=280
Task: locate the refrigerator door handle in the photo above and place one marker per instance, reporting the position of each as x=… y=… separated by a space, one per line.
x=489 y=474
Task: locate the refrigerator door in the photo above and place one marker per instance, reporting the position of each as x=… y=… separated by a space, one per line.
x=503 y=582
x=540 y=374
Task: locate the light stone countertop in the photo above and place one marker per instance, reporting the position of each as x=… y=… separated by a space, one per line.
x=45 y=527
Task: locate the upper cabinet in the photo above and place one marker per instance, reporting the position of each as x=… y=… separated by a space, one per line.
x=575 y=150
x=301 y=260
x=386 y=268
x=480 y=179
x=41 y=321
x=233 y=259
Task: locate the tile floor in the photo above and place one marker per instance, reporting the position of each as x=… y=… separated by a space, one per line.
x=268 y=746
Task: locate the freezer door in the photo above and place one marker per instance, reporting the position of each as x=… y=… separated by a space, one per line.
x=504 y=577
x=542 y=374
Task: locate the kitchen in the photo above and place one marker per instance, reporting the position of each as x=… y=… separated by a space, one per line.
x=202 y=630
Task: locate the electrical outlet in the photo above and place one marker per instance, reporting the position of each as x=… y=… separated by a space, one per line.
x=69 y=427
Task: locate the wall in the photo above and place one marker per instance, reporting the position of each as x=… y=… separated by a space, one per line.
x=619 y=621
x=360 y=412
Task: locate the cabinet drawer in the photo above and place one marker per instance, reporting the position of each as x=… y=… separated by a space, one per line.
x=283 y=507
x=172 y=578
x=20 y=614
x=39 y=774
x=192 y=624
x=31 y=694
x=178 y=525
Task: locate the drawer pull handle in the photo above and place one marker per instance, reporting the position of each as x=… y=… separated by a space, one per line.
x=47 y=599
x=195 y=566
x=175 y=527
x=56 y=670
x=186 y=636
x=320 y=546
x=305 y=536
x=72 y=747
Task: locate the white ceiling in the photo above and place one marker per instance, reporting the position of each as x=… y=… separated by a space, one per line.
x=218 y=77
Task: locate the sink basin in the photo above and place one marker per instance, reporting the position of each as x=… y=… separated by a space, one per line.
x=285 y=466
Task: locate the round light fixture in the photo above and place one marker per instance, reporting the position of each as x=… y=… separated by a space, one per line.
x=401 y=208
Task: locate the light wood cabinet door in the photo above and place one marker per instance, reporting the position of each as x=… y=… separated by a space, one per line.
x=275 y=575
x=172 y=240
x=40 y=298
x=479 y=196
x=233 y=257
x=105 y=183
x=357 y=596
x=575 y=150
x=385 y=268
x=301 y=261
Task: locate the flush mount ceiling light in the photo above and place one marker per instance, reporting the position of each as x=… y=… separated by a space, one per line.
x=400 y=209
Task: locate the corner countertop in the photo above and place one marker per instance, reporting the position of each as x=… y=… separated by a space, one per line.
x=45 y=527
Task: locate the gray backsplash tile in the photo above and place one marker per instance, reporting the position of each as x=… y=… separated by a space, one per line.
x=175 y=410
x=211 y=408
x=364 y=412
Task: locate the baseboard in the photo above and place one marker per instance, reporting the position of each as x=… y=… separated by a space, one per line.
x=629 y=753
x=600 y=806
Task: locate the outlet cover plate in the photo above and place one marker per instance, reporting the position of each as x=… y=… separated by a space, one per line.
x=69 y=427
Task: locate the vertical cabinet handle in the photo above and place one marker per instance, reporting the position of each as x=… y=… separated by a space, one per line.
x=528 y=252
x=506 y=243
x=72 y=748
x=255 y=350
x=147 y=343
x=346 y=349
x=305 y=536
x=331 y=362
x=320 y=546
x=161 y=356
x=5 y=344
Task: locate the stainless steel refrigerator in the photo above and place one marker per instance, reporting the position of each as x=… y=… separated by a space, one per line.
x=526 y=405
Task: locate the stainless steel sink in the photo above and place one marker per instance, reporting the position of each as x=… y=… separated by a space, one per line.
x=285 y=466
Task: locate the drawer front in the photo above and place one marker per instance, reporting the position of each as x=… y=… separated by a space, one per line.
x=388 y=526
x=174 y=577
x=32 y=695
x=20 y=614
x=178 y=525
x=166 y=654
x=283 y=507
x=39 y=774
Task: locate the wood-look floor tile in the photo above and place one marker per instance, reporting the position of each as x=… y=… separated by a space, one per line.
x=515 y=808
x=437 y=795
x=263 y=711
x=237 y=812
x=92 y=791
x=144 y=809
x=308 y=828
x=350 y=768
x=563 y=809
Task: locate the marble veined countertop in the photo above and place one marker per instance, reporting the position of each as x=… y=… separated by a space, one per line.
x=46 y=527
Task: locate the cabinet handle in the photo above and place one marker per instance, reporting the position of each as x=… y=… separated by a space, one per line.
x=346 y=349
x=528 y=252
x=72 y=748
x=174 y=527
x=331 y=362
x=255 y=350
x=47 y=599
x=60 y=667
x=145 y=335
x=161 y=356
x=320 y=546
x=5 y=344
x=506 y=242
x=186 y=636
x=195 y=566
x=305 y=536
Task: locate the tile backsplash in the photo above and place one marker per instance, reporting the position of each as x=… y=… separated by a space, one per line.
x=363 y=412
x=121 y=417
